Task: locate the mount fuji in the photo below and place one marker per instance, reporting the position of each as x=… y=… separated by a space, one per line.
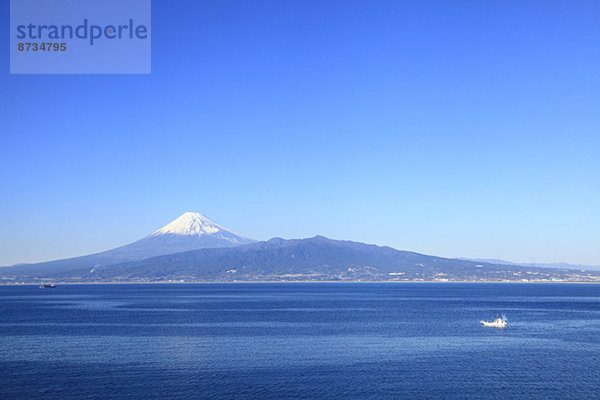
x=191 y=231
x=193 y=248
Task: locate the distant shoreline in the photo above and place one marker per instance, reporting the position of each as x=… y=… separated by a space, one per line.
x=282 y=282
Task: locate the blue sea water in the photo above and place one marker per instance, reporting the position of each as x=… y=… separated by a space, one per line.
x=300 y=340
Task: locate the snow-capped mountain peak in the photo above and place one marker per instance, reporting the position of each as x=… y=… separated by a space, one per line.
x=191 y=223
x=191 y=231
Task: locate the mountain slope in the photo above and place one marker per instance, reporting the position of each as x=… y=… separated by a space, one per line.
x=317 y=258
x=188 y=232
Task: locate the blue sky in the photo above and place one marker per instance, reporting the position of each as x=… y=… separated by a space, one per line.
x=452 y=128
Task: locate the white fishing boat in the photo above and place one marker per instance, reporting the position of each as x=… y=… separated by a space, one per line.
x=499 y=322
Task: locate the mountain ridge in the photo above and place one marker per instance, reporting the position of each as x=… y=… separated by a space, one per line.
x=561 y=265
x=314 y=259
x=194 y=248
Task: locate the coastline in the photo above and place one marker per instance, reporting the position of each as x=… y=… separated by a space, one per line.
x=291 y=282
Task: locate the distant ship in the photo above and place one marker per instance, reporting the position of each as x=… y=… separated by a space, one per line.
x=47 y=286
x=499 y=322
